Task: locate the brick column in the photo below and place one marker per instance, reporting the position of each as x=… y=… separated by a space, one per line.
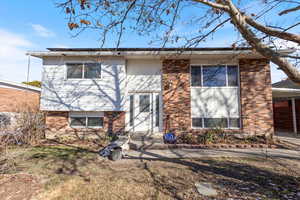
x=114 y=122
x=256 y=97
x=176 y=95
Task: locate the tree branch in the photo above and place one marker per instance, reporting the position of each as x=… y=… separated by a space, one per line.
x=272 y=31
x=289 y=10
x=214 y=5
x=240 y=23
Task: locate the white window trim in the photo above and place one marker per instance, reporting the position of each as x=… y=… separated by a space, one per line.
x=212 y=65
x=207 y=128
x=237 y=87
x=82 y=71
x=86 y=115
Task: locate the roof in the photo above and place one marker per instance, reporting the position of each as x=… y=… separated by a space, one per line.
x=150 y=49
x=19 y=85
x=287 y=83
x=152 y=52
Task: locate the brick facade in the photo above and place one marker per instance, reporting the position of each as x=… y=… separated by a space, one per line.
x=57 y=124
x=176 y=95
x=17 y=100
x=256 y=96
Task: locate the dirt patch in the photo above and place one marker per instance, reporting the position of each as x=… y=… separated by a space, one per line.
x=71 y=173
x=18 y=186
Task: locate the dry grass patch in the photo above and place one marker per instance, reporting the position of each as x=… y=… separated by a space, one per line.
x=72 y=173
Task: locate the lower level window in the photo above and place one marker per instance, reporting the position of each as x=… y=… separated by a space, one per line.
x=216 y=122
x=86 y=120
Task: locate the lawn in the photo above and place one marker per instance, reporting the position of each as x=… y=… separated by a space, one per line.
x=64 y=172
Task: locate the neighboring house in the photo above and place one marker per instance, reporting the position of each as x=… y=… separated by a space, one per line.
x=15 y=98
x=156 y=90
x=286 y=106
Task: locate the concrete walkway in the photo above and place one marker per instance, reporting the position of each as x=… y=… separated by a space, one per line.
x=204 y=153
x=290 y=140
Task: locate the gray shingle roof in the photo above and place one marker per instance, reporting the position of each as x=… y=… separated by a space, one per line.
x=286 y=84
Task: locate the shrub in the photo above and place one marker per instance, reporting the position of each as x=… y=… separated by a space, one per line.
x=28 y=128
x=187 y=138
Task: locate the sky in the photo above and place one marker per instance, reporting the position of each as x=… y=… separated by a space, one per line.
x=36 y=25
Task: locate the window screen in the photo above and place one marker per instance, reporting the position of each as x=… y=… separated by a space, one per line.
x=92 y=70
x=214 y=76
x=74 y=70
x=196 y=76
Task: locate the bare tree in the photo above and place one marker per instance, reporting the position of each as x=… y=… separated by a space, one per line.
x=260 y=28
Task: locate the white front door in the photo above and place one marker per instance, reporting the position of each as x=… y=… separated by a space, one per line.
x=144 y=112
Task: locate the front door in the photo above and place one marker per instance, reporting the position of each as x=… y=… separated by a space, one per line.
x=145 y=111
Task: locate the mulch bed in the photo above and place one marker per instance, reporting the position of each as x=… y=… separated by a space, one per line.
x=203 y=146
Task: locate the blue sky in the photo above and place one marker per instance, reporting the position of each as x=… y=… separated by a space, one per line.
x=36 y=25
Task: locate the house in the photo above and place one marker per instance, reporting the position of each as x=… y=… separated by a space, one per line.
x=286 y=106
x=15 y=98
x=156 y=90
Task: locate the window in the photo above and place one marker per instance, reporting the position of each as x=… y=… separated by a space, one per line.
x=144 y=103
x=197 y=122
x=86 y=120
x=131 y=107
x=196 y=76
x=95 y=121
x=78 y=121
x=92 y=70
x=83 y=70
x=215 y=122
x=74 y=70
x=157 y=110
x=232 y=72
x=234 y=123
x=214 y=76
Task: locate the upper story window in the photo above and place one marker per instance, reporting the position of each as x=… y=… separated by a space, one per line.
x=83 y=70
x=214 y=75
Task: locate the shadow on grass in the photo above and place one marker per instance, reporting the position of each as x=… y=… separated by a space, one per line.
x=231 y=177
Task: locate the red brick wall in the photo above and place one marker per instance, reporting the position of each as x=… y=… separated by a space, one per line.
x=176 y=95
x=256 y=96
x=14 y=100
x=58 y=124
x=283 y=115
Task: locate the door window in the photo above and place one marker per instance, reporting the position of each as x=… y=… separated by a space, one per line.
x=144 y=103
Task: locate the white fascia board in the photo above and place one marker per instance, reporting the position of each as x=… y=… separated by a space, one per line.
x=132 y=53
x=285 y=90
x=19 y=85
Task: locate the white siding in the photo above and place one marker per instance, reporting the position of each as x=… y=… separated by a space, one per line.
x=144 y=75
x=215 y=102
x=105 y=94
